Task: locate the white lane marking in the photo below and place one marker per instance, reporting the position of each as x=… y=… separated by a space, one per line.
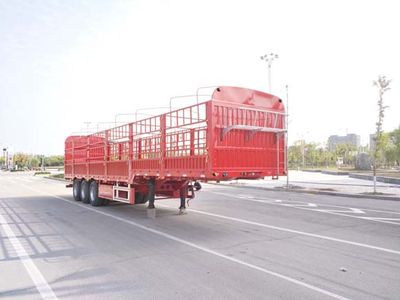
x=304 y=207
x=382 y=211
x=356 y=217
x=26 y=180
x=386 y=219
x=293 y=231
x=357 y=210
x=300 y=205
x=351 y=211
x=201 y=248
x=245 y=196
x=38 y=279
x=241 y=196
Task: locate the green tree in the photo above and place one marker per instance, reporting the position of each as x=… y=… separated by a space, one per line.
x=54 y=160
x=321 y=158
x=394 y=137
x=35 y=161
x=311 y=154
x=21 y=159
x=347 y=152
x=329 y=158
x=383 y=86
x=390 y=155
x=295 y=154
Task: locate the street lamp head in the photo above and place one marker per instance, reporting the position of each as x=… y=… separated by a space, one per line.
x=269 y=57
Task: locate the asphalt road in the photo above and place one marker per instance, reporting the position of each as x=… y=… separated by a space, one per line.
x=234 y=243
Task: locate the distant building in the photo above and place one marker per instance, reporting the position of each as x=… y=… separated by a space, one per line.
x=351 y=138
x=372 y=142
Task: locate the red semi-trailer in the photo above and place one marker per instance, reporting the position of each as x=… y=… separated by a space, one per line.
x=238 y=134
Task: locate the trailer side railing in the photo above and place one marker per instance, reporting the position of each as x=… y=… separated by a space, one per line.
x=215 y=135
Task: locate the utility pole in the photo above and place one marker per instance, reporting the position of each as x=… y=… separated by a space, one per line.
x=5 y=158
x=269 y=58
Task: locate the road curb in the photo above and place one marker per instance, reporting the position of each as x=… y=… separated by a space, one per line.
x=313 y=192
x=384 y=179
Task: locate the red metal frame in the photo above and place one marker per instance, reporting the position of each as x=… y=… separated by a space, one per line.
x=239 y=133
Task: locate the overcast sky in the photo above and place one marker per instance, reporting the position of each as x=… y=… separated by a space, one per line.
x=63 y=63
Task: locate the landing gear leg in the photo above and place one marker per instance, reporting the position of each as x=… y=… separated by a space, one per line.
x=151 y=210
x=183 y=193
x=151 y=194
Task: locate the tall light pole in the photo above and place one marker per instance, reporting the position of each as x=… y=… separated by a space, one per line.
x=287 y=136
x=5 y=158
x=269 y=58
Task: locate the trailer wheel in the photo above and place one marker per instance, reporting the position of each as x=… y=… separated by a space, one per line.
x=197 y=186
x=94 y=194
x=85 y=191
x=76 y=189
x=140 y=198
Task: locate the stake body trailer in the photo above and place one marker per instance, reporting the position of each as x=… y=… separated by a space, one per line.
x=238 y=134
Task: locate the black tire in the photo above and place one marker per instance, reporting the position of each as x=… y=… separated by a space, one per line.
x=197 y=186
x=94 y=194
x=85 y=191
x=140 y=198
x=76 y=189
